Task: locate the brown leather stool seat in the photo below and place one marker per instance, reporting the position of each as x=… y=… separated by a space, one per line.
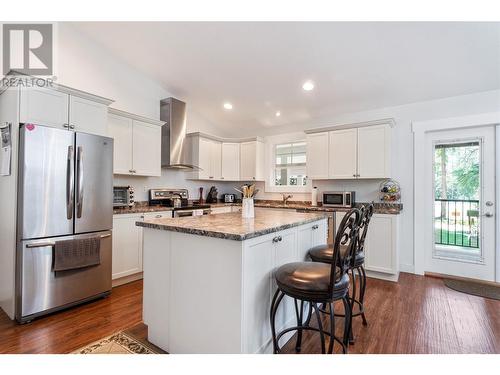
x=310 y=281
x=324 y=253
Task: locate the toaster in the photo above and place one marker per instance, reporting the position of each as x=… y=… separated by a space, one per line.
x=229 y=198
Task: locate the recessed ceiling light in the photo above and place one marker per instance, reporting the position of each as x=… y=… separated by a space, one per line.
x=278 y=113
x=308 y=85
x=228 y=106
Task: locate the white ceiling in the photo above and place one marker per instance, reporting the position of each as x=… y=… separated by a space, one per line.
x=260 y=67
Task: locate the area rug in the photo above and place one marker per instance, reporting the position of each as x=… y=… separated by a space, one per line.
x=118 y=343
x=474 y=288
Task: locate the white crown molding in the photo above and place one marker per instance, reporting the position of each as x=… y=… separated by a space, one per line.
x=384 y=121
x=133 y=116
x=225 y=140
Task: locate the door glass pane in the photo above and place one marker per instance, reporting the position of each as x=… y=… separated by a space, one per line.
x=457 y=186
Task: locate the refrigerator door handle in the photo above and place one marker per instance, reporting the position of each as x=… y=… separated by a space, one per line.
x=79 y=198
x=70 y=184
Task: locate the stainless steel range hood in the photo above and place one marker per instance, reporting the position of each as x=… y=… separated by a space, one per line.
x=175 y=151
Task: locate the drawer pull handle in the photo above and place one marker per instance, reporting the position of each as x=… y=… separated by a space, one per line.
x=315 y=226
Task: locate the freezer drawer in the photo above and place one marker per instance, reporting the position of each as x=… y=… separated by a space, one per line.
x=40 y=290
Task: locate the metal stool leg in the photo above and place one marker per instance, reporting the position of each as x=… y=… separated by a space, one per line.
x=347 y=322
x=274 y=308
x=362 y=294
x=320 y=327
x=299 y=315
x=332 y=328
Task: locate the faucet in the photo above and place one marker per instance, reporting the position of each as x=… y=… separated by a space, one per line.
x=286 y=198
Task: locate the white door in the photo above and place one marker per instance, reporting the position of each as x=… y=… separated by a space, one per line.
x=120 y=129
x=374 y=152
x=88 y=116
x=317 y=156
x=343 y=154
x=146 y=149
x=44 y=107
x=231 y=161
x=460 y=203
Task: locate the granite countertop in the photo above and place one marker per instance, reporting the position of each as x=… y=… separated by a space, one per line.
x=380 y=208
x=139 y=208
x=232 y=226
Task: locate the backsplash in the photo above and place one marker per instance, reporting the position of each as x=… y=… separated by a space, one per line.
x=366 y=190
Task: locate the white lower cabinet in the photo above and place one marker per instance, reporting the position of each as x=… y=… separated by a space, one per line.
x=127 y=245
x=311 y=235
x=127 y=242
x=381 y=245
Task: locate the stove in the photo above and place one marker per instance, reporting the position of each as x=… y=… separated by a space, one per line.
x=178 y=199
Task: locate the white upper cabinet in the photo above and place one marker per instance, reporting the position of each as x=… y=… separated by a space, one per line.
x=361 y=152
x=374 y=147
x=44 y=107
x=343 y=154
x=59 y=108
x=216 y=161
x=207 y=154
x=317 y=156
x=231 y=161
x=252 y=161
x=137 y=144
x=120 y=128
x=88 y=116
x=146 y=146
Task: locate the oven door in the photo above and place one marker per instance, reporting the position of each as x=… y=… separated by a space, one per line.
x=334 y=199
x=120 y=197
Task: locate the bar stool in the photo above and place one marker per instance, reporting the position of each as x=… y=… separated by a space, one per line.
x=323 y=254
x=318 y=284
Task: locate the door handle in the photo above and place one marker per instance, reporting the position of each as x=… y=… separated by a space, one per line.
x=488 y=214
x=40 y=244
x=79 y=198
x=105 y=235
x=70 y=184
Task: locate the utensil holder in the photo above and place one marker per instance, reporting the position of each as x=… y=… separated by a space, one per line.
x=247 y=208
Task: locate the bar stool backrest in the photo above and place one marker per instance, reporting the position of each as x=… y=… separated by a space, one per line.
x=363 y=226
x=347 y=235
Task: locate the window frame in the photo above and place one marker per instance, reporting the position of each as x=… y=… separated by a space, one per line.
x=271 y=143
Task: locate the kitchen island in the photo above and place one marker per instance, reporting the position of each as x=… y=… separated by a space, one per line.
x=208 y=280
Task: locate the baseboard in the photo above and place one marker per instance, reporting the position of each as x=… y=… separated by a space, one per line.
x=408 y=268
x=126 y=279
x=383 y=276
x=442 y=276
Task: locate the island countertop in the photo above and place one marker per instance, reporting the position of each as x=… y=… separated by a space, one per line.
x=232 y=226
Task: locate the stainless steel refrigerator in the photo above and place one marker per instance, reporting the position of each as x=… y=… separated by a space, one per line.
x=65 y=192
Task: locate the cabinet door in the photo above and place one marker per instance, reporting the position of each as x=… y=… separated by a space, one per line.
x=304 y=241
x=320 y=233
x=374 y=152
x=285 y=251
x=342 y=158
x=120 y=129
x=146 y=145
x=248 y=163
x=44 y=107
x=127 y=246
x=231 y=161
x=204 y=150
x=380 y=244
x=216 y=160
x=87 y=116
x=317 y=156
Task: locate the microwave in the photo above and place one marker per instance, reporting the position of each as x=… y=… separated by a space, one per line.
x=123 y=196
x=344 y=199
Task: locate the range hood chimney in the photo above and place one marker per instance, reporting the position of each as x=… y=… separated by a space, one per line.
x=174 y=148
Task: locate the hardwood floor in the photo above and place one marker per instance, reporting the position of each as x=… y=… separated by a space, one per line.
x=417 y=315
